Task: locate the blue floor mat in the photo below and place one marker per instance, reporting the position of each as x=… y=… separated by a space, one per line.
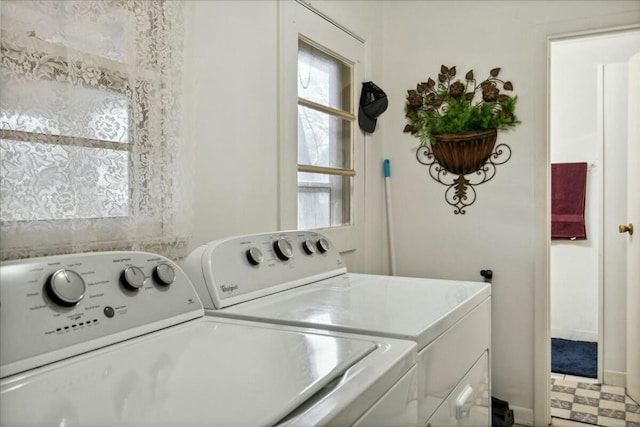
x=579 y=358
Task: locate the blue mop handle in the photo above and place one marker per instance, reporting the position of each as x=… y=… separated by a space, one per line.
x=387 y=186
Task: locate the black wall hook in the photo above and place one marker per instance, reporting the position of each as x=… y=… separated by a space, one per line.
x=487 y=274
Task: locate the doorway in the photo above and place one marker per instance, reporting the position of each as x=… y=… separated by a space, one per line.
x=588 y=77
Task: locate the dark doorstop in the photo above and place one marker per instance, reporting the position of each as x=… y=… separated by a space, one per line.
x=502 y=416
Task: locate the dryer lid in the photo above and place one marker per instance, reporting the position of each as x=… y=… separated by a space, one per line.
x=396 y=307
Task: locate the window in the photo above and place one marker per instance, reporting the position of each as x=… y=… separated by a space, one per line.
x=325 y=125
x=322 y=148
x=88 y=126
x=65 y=150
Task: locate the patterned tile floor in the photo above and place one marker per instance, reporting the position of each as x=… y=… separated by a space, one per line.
x=585 y=401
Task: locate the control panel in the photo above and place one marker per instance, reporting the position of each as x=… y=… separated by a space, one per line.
x=237 y=269
x=55 y=307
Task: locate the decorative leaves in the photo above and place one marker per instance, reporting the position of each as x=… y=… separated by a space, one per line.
x=452 y=106
x=490 y=92
x=414 y=99
x=409 y=129
x=456 y=89
x=446 y=71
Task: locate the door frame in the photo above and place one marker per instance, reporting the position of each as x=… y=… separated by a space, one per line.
x=542 y=312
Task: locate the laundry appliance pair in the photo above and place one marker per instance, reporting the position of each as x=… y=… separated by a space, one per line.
x=120 y=339
x=287 y=337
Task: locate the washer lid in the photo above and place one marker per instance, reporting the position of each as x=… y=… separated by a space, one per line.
x=201 y=373
x=389 y=306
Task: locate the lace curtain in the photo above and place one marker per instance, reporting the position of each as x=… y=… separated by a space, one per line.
x=90 y=155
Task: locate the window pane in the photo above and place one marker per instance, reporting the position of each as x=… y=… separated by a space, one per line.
x=322 y=78
x=96 y=27
x=323 y=200
x=323 y=140
x=56 y=108
x=43 y=181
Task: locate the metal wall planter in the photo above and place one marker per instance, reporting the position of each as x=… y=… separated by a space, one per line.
x=463 y=161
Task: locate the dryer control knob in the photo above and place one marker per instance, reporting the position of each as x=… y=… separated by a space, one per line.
x=255 y=257
x=308 y=247
x=164 y=274
x=133 y=278
x=323 y=245
x=283 y=249
x=65 y=287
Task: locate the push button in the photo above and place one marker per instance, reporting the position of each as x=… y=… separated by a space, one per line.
x=109 y=311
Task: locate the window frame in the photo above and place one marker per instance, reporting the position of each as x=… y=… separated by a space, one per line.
x=299 y=21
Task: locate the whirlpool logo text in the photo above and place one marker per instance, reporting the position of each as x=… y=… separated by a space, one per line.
x=229 y=288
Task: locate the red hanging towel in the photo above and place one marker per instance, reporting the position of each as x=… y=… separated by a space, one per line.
x=568 y=193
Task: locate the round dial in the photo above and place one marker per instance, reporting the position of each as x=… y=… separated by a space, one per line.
x=283 y=249
x=133 y=278
x=164 y=274
x=65 y=287
x=323 y=245
x=308 y=247
x=255 y=256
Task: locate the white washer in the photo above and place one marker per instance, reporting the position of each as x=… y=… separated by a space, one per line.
x=120 y=339
x=298 y=278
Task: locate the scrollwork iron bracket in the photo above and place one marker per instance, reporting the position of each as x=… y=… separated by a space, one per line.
x=460 y=191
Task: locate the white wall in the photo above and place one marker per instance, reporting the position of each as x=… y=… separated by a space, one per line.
x=576 y=136
x=507 y=227
x=231 y=100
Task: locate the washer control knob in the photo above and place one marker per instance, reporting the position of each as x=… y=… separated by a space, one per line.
x=133 y=278
x=308 y=247
x=323 y=245
x=65 y=287
x=283 y=249
x=164 y=274
x=255 y=257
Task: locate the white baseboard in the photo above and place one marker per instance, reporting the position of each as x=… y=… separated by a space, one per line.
x=575 y=335
x=522 y=416
x=615 y=378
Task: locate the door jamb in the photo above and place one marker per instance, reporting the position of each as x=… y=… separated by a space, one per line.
x=542 y=322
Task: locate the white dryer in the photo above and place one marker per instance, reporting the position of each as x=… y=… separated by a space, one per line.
x=120 y=339
x=298 y=278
